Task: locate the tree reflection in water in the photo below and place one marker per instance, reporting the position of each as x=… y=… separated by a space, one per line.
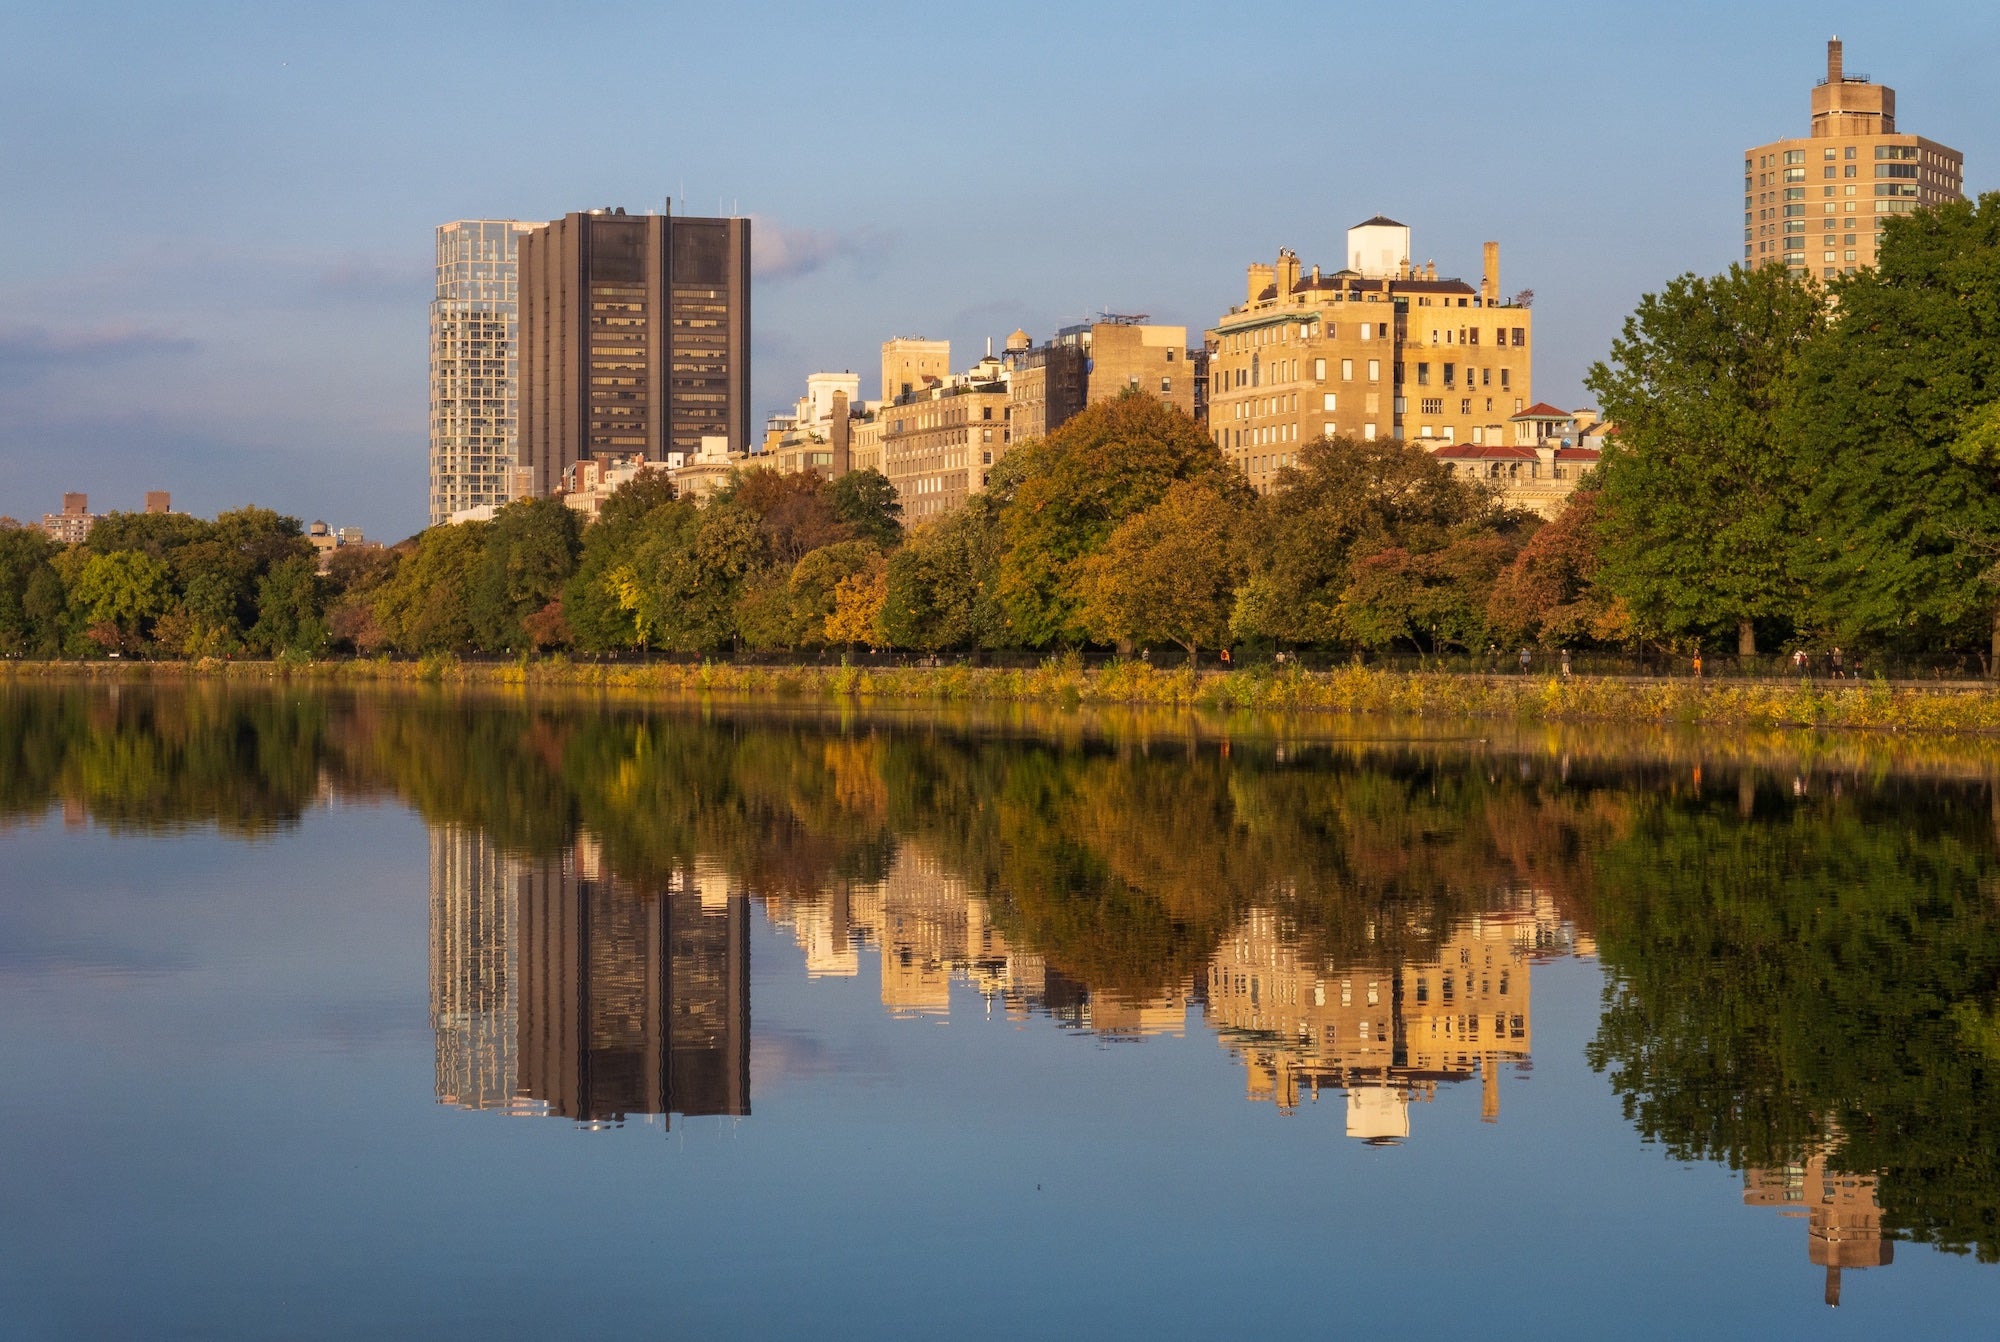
x=1802 y=980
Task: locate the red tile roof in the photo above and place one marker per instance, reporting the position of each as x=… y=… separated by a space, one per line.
x=1578 y=454
x=1484 y=452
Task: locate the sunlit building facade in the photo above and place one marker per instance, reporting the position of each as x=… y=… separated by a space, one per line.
x=475 y=980
x=1817 y=203
x=474 y=363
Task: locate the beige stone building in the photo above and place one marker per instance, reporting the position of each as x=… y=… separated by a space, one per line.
x=1380 y=348
x=1550 y=452
x=1842 y=1212
x=1096 y=361
x=940 y=438
x=1817 y=203
x=1385 y=1033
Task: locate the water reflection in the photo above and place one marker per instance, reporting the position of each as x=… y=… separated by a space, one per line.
x=558 y=989
x=1800 y=952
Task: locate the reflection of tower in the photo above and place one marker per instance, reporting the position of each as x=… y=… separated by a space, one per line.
x=1843 y=1218
x=631 y=1003
x=473 y=981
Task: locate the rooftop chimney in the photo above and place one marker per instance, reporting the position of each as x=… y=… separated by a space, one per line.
x=1489 y=283
x=1833 y=61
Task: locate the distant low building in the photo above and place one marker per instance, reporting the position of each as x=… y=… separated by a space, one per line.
x=72 y=525
x=587 y=485
x=326 y=541
x=1551 y=451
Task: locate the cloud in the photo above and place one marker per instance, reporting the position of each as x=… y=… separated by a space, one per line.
x=26 y=350
x=778 y=253
x=372 y=279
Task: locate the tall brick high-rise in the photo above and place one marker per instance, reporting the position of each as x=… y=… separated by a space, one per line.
x=1817 y=203
x=635 y=338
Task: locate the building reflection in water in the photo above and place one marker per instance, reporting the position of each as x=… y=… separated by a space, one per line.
x=559 y=988
x=1843 y=1216
x=475 y=978
x=1384 y=1031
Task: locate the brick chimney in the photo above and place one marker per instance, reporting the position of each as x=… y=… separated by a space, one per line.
x=1834 y=62
x=1489 y=281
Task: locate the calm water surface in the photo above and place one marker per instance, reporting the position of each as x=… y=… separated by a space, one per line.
x=330 y=1016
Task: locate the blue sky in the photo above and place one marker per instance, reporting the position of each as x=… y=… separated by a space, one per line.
x=218 y=217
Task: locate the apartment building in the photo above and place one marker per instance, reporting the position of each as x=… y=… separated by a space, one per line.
x=1096 y=361
x=1817 y=203
x=941 y=435
x=474 y=353
x=1379 y=348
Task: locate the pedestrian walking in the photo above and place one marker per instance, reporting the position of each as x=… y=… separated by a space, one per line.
x=1802 y=664
x=1565 y=663
x=1833 y=664
x=1526 y=658
x=1697 y=663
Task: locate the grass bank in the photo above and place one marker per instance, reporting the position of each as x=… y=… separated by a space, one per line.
x=1876 y=705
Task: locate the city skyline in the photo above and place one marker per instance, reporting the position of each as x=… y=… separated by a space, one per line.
x=231 y=300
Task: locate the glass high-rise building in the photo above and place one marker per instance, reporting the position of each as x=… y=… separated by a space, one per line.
x=474 y=363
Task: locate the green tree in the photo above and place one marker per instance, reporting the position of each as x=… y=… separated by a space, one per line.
x=25 y=625
x=941 y=588
x=1901 y=399
x=685 y=577
x=598 y=619
x=867 y=503
x=120 y=595
x=1171 y=572
x=1706 y=480
x=427 y=606
x=1115 y=459
x=291 y=606
x=816 y=581
x=528 y=556
x=1432 y=599
x=1346 y=498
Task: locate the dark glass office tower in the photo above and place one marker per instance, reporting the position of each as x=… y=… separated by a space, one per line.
x=635 y=339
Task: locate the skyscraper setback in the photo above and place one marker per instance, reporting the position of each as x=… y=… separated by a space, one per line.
x=473 y=349
x=1817 y=204
x=635 y=338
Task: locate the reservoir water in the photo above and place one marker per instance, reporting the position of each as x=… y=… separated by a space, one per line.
x=328 y=1014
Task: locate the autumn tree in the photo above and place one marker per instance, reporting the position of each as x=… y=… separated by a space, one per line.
x=1115 y=459
x=1707 y=478
x=527 y=557
x=1347 y=498
x=1171 y=572
x=1550 y=593
x=866 y=503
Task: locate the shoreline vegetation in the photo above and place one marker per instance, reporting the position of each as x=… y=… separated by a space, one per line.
x=1874 y=706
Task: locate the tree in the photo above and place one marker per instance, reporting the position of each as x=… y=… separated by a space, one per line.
x=1550 y=593
x=1171 y=572
x=1433 y=599
x=1346 y=498
x=816 y=581
x=1074 y=488
x=25 y=624
x=528 y=556
x=857 y=605
x=940 y=590
x=1901 y=397
x=120 y=595
x=291 y=605
x=598 y=618
x=427 y=606
x=793 y=511
x=866 y=502
x=1706 y=480
x=685 y=576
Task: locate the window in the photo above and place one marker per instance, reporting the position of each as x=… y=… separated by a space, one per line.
x=1365 y=327
x=1327 y=429
x=1166 y=385
x=1504 y=379
x=1347 y=370
x=1433 y=405
x=1848 y=171
x=1367 y=433
x=1827 y=172
x=1895 y=170
x=1327 y=402
x=1795 y=174
x=1401 y=405
x=1849 y=153
x=1319 y=370
x=1423 y=375
x=1465 y=406
x=1449 y=370
x=1374 y=370
x=1795 y=156
x=1830 y=153
x=1902 y=151
x=1520 y=337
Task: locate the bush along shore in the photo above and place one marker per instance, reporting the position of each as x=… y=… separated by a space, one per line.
x=1866 y=705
